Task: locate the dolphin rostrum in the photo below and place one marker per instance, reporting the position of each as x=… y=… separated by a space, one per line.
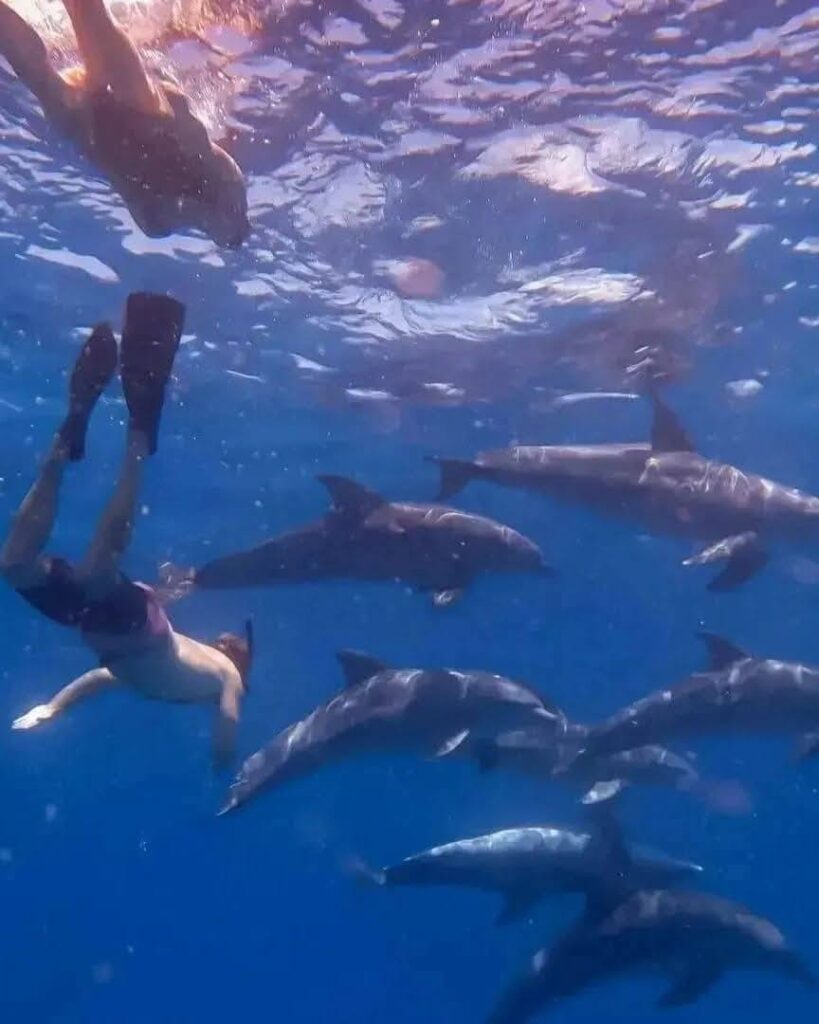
x=526 y=864
x=665 y=487
x=430 y=547
x=694 y=937
x=386 y=709
x=739 y=694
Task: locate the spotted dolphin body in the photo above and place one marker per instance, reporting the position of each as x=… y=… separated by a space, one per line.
x=665 y=487
x=696 y=938
x=739 y=694
x=540 y=753
x=526 y=864
x=384 y=710
x=430 y=547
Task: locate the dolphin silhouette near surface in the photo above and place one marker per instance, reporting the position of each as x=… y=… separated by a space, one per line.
x=694 y=937
x=665 y=487
x=430 y=547
x=526 y=864
x=385 y=710
x=739 y=694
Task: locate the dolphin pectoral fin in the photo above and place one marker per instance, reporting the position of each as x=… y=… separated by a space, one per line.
x=807 y=746
x=455 y=475
x=358 y=666
x=743 y=555
x=688 y=988
x=721 y=652
x=604 y=790
x=350 y=498
x=516 y=903
x=446 y=598
x=667 y=433
x=451 y=745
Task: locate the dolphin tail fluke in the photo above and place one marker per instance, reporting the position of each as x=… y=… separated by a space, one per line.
x=455 y=475
x=361 y=872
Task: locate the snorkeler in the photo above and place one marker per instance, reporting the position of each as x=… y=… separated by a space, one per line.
x=122 y=622
x=139 y=131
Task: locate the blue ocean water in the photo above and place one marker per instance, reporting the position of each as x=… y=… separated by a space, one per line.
x=592 y=179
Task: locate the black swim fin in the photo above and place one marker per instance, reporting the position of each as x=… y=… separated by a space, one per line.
x=150 y=339
x=93 y=370
x=455 y=475
x=743 y=554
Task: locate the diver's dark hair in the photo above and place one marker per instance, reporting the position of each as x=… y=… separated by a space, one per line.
x=239 y=649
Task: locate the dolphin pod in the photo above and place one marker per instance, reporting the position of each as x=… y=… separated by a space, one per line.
x=694 y=937
x=665 y=487
x=385 y=709
x=431 y=547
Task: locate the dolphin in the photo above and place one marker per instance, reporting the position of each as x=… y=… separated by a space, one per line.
x=539 y=753
x=526 y=864
x=431 y=547
x=738 y=694
x=385 y=709
x=694 y=937
x=535 y=752
x=665 y=487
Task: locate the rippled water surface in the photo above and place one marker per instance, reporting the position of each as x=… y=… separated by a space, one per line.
x=466 y=218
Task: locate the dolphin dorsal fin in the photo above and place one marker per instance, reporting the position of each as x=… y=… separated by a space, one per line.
x=358 y=666
x=721 y=652
x=351 y=498
x=667 y=433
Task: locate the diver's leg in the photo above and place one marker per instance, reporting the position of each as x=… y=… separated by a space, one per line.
x=99 y=571
x=150 y=338
x=111 y=59
x=32 y=526
x=26 y=52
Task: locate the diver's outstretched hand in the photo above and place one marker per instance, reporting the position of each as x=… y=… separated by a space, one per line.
x=39 y=714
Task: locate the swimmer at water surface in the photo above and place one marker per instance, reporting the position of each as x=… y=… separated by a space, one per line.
x=137 y=130
x=123 y=622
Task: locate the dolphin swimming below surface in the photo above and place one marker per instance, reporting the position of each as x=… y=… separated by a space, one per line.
x=526 y=864
x=694 y=937
x=386 y=709
x=541 y=754
x=665 y=487
x=739 y=694
x=431 y=547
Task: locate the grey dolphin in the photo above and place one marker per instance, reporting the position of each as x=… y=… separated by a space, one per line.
x=694 y=937
x=739 y=694
x=526 y=864
x=386 y=709
x=431 y=547
x=535 y=752
x=665 y=487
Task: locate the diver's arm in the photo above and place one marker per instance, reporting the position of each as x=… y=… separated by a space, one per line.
x=227 y=720
x=86 y=686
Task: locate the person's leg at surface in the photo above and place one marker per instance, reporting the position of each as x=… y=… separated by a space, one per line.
x=26 y=52
x=150 y=338
x=20 y=556
x=111 y=60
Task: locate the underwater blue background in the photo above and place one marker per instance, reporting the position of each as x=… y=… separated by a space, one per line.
x=124 y=898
